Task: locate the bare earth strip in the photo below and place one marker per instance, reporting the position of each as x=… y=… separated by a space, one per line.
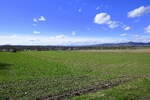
x=90 y=89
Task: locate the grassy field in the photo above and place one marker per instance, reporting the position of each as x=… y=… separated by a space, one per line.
x=31 y=75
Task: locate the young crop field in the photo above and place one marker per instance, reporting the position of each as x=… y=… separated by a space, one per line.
x=75 y=75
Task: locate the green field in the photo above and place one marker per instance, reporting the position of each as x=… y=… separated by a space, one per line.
x=31 y=75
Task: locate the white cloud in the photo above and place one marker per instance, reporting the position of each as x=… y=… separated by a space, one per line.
x=147 y=29
x=35 y=20
x=113 y=24
x=124 y=34
x=65 y=40
x=36 y=32
x=42 y=18
x=13 y=36
x=126 y=28
x=55 y=40
x=102 y=18
x=35 y=41
x=62 y=36
x=58 y=37
x=73 y=33
x=139 y=11
x=140 y=38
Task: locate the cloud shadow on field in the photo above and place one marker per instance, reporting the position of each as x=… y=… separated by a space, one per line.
x=5 y=66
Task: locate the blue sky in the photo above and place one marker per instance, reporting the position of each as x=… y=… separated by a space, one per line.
x=73 y=22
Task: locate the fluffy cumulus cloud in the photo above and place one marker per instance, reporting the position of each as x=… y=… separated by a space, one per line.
x=42 y=18
x=39 y=19
x=104 y=18
x=139 y=11
x=147 y=29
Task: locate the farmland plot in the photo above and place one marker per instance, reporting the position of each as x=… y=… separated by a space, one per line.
x=75 y=75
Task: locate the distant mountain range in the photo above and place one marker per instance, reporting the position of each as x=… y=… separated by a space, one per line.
x=124 y=44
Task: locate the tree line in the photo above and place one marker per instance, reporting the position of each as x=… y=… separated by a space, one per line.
x=8 y=48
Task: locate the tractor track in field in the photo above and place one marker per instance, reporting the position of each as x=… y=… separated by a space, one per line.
x=90 y=89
